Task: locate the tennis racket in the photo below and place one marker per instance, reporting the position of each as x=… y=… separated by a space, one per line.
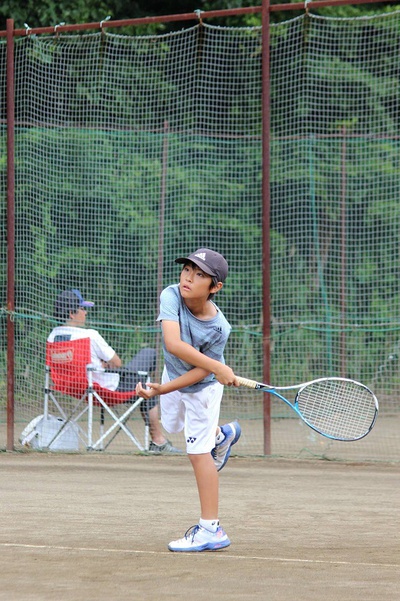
x=338 y=408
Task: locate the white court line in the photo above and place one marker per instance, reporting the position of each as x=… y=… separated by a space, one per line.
x=219 y=554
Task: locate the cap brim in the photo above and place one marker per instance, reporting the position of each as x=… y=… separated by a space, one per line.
x=202 y=266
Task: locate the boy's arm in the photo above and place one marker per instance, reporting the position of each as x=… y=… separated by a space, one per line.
x=175 y=345
x=103 y=350
x=114 y=362
x=190 y=377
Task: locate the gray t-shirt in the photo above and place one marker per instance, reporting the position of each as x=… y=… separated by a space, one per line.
x=207 y=336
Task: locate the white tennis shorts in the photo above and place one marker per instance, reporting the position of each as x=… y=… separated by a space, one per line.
x=197 y=413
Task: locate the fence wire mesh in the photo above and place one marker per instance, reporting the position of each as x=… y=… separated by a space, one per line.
x=133 y=150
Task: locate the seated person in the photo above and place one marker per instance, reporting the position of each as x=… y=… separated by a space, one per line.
x=70 y=308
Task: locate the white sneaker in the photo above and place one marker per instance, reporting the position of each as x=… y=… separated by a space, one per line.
x=222 y=451
x=198 y=538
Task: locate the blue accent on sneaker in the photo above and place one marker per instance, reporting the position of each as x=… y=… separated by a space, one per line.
x=222 y=451
x=198 y=538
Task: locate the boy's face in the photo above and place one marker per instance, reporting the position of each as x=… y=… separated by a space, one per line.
x=79 y=317
x=194 y=283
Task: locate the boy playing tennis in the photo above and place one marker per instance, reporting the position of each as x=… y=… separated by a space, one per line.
x=195 y=333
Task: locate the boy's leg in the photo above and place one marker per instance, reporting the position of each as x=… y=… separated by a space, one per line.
x=228 y=436
x=207 y=484
x=201 y=420
x=207 y=535
x=159 y=445
x=172 y=409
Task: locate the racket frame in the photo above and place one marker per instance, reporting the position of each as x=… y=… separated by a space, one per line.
x=274 y=390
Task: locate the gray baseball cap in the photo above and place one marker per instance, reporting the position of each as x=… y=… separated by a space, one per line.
x=209 y=261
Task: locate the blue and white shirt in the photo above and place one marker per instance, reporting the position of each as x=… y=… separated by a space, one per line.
x=209 y=336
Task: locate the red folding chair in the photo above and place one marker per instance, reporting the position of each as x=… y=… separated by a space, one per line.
x=69 y=371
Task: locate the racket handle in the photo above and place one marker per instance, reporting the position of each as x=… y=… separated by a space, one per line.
x=246 y=382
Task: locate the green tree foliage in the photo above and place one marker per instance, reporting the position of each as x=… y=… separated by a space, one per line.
x=45 y=13
x=310 y=124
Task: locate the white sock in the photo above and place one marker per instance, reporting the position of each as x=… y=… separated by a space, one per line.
x=220 y=437
x=210 y=525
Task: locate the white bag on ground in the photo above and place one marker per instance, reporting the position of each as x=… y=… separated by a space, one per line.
x=39 y=433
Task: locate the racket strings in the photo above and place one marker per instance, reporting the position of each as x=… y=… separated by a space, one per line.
x=343 y=410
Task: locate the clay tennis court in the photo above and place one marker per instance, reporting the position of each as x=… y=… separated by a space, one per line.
x=96 y=527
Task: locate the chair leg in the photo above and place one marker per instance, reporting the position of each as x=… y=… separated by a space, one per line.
x=125 y=422
x=118 y=422
x=73 y=417
x=102 y=420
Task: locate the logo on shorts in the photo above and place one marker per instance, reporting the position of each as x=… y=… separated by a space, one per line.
x=191 y=439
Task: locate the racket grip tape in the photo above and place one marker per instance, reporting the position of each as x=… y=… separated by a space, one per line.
x=246 y=382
